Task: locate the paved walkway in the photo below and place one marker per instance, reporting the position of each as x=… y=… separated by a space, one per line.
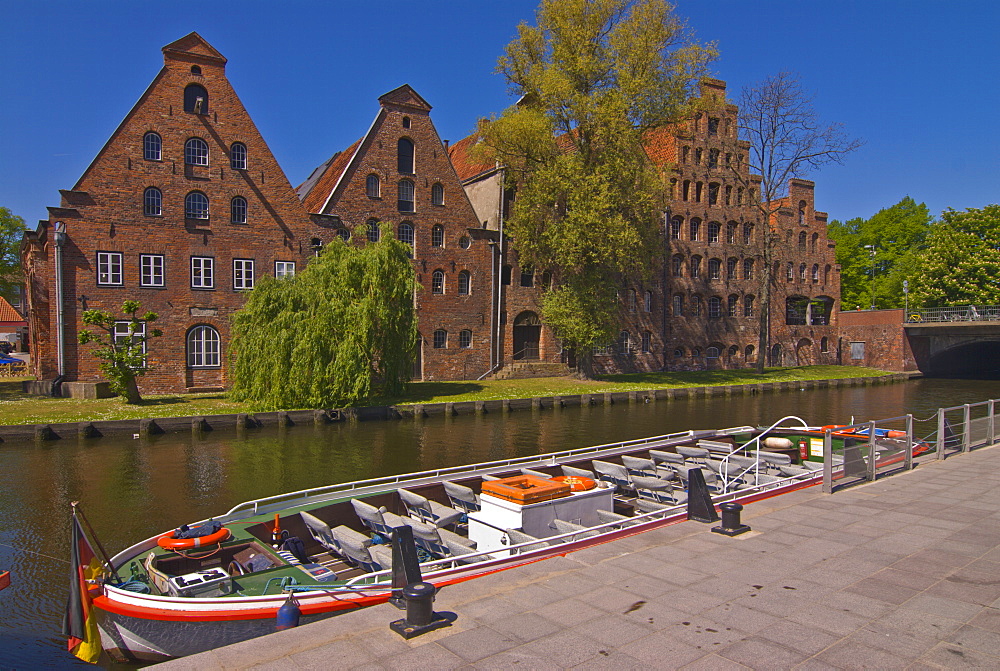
x=901 y=573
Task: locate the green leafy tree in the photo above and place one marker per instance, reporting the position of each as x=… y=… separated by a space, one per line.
x=961 y=262
x=11 y=229
x=122 y=348
x=898 y=236
x=594 y=76
x=339 y=332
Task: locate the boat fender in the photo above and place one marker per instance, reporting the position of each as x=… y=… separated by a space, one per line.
x=288 y=614
x=168 y=542
x=777 y=443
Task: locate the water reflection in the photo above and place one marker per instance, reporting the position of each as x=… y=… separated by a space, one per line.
x=132 y=489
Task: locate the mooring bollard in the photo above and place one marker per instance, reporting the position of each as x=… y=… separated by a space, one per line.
x=419 y=598
x=731 y=525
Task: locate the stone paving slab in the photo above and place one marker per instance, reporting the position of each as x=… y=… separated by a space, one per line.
x=901 y=573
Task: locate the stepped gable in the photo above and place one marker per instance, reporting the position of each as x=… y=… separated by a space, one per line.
x=183 y=209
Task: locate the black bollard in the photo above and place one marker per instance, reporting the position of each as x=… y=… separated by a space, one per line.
x=731 y=525
x=420 y=616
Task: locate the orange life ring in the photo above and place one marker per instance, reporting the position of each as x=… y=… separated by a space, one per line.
x=576 y=483
x=167 y=542
x=834 y=427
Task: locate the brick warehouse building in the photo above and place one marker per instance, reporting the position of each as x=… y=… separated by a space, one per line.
x=185 y=206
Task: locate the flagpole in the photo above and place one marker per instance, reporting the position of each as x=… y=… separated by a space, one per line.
x=107 y=560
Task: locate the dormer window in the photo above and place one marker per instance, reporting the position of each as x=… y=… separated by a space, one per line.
x=195 y=99
x=404 y=156
x=238 y=156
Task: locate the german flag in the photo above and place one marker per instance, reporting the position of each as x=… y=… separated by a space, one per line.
x=79 y=624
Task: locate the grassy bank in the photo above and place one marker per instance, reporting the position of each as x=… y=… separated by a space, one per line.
x=17 y=407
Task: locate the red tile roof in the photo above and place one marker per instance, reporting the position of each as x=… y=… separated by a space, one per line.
x=8 y=313
x=317 y=196
x=465 y=165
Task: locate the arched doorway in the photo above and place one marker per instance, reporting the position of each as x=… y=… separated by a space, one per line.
x=776 y=354
x=527 y=336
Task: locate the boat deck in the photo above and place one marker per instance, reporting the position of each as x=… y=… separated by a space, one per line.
x=894 y=574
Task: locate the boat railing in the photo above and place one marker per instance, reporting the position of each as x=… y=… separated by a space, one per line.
x=267 y=504
x=731 y=475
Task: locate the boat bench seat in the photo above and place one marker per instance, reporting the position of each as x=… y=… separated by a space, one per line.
x=564 y=527
x=689 y=452
x=716 y=446
x=517 y=537
x=427 y=511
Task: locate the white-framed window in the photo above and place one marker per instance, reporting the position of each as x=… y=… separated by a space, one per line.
x=437 y=194
x=404 y=201
x=405 y=232
x=152 y=202
x=465 y=339
x=109 y=268
x=204 y=347
x=404 y=156
x=196 y=151
x=284 y=269
x=202 y=272
x=464 y=283
x=437 y=236
x=196 y=205
x=152 y=146
x=122 y=335
x=238 y=156
x=440 y=339
x=437 y=282
x=242 y=273
x=151 y=270
x=373 y=232
x=238 y=210
x=646 y=336
x=624 y=343
x=373 y=186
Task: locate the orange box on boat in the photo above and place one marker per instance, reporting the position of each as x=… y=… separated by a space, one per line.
x=525 y=489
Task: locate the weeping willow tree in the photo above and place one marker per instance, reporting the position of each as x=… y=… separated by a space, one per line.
x=341 y=331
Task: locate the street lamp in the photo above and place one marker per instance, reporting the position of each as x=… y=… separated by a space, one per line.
x=871 y=248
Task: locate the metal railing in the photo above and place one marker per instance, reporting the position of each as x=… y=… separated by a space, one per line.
x=966 y=313
x=882 y=446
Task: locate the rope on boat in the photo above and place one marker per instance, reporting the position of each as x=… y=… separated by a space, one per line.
x=33 y=552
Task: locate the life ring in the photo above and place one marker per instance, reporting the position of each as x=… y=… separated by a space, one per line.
x=167 y=542
x=577 y=483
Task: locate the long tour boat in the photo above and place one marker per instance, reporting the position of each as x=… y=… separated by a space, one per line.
x=223 y=581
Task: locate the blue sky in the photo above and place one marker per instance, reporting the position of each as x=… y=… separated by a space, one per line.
x=917 y=80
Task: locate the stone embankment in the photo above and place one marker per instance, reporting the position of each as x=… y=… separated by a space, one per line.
x=248 y=421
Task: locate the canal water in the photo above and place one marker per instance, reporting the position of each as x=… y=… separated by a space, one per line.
x=132 y=489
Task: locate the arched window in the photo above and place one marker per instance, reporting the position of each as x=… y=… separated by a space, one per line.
x=343 y=234
x=238 y=156
x=748 y=306
x=713 y=192
x=815 y=273
x=465 y=339
x=675 y=228
x=739 y=196
x=748 y=352
x=677 y=265
x=789 y=271
x=373 y=187
x=196 y=151
x=697 y=155
x=695 y=267
x=802 y=272
x=714 y=307
x=686 y=189
x=405 y=234
x=776 y=354
x=731 y=231
x=647 y=304
x=826 y=274
x=814 y=242
x=152 y=147
x=440 y=339
x=678 y=352
x=695 y=229
x=373 y=231
x=715 y=269
x=204 y=347
x=731 y=264
x=747 y=234
x=624 y=343
x=748 y=269
x=712 y=352
x=404 y=156
x=152 y=202
x=734 y=352
x=733 y=305
x=195 y=99
x=696 y=306
x=437 y=236
x=646 y=337
x=196 y=205
x=678 y=305
x=437 y=282
x=713 y=159
x=238 y=210
x=729 y=189
x=802 y=241
x=631 y=300
x=802 y=213
x=698 y=187
x=464 y=283
x=405 y=196
x=713 y=231
x=696 y=353
x=437 y=195
x=824 y=344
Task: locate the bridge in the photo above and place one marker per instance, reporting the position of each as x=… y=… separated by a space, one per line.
x=956 y=341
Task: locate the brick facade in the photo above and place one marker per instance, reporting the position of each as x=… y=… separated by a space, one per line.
x=876 y=338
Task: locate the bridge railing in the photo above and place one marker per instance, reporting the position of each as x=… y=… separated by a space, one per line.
x=962 y=313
